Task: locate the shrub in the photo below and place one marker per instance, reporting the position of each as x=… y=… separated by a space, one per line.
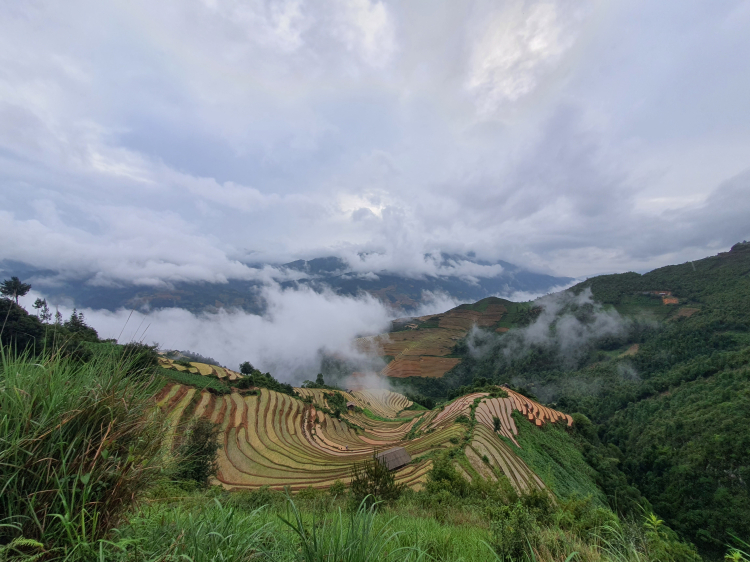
x=246 y=368
x=337 y=489
x=250 y=500
x=514 y=530
x=140 y=356
x=372 y=482
x=196 y=454
x=444 y=476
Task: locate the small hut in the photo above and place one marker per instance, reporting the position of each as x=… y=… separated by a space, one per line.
x=394 y=458
x=350 y=405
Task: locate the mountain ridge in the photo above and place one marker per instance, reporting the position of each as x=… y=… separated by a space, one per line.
x=401 y=293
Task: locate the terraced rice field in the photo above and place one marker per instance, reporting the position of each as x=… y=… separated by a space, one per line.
x=422 y=352
x=273 y=439
x=201 y=368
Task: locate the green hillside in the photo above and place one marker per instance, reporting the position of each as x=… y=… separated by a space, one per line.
x=660 y=366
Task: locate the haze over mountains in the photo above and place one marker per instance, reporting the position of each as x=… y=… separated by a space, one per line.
x=454 y=278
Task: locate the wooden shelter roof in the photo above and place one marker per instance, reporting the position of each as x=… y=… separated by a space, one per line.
x=394 y=458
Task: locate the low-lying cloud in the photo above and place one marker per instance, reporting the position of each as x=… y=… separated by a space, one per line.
x=567 y=325
x=288 y=340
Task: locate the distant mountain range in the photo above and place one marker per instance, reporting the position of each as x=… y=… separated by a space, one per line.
x=402 y=293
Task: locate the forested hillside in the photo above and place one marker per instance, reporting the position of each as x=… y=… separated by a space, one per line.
x=660 y=365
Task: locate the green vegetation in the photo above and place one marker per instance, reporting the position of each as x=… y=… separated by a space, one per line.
x=78 y=442
x=211 y=384
x=196 y=452
x=253 y=377
x=13 y=288
x=662 y=393
x=319 y=383
x=105 y=446
x=557 y=459
x=373 y=482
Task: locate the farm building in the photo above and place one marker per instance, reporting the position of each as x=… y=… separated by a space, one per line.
x=394 y=458
x=350 y=405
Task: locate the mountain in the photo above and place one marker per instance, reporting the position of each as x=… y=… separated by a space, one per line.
x=453 y=275
x=660 y=365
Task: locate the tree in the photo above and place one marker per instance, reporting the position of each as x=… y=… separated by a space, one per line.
x=14 y=288
x=44 y=313
x=77 y=325
x=196 y=455
x=246 y=368
x=319 y=380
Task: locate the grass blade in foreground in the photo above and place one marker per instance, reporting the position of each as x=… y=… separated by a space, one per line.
x=78 y=443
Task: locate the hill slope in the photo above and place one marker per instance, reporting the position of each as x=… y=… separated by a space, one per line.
x=423 y=346
x=312 y=439
x=660 y=362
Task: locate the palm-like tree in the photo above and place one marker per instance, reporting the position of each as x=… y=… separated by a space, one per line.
x=14 y=288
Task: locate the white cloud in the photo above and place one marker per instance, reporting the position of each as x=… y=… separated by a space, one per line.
x=151 y=142
x=516 y=45
x=366 y=28
x=287 y=340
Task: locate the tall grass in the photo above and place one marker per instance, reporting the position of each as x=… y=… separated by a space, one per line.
x=209 y=533
x=78 y=443
x=352 y=538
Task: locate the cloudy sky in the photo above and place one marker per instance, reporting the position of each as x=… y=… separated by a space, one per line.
x=179 y=139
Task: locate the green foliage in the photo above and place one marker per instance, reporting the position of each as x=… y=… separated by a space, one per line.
x=736 y=552
x=668 y=422
x=250 y=500
x=338 y=488
x=78 y=443
x=22 y=550
x=197 y=453
x=211 y=532
x=43 y=313
x=254 y=377
x=247 y=369
x=211 y=384
x=480 y=384
x=686 y=450
x=372 y=482
x=556 y=458
x=76 y=324
x=420 y=400
x=514 y=530
x=23 y=332
x=352 y=539
x=444 y=476
x=13 y=288
x=20 y=330
x=319 y=383
x=142 y=358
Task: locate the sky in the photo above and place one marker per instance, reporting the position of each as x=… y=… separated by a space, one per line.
x=148 y=142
